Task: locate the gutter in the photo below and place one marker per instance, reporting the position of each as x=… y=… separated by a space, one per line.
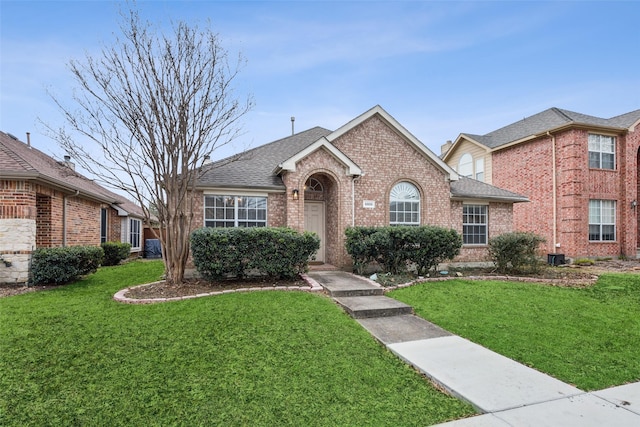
x=554 y=191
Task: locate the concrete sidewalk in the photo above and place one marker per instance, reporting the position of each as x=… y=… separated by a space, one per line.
x=506 y=392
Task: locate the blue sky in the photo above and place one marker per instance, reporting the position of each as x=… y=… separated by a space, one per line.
x=440 y=68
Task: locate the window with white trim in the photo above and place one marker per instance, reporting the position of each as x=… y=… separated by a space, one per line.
x=465 y=165
x=103 y=225
x=602 y=220
x=480 y=169
x=474 y=224
x=135 y=229
x=235 y=211
x=404 y=205
x=602 y=150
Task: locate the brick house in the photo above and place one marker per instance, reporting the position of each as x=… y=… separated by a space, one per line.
x=369 y=172
x=580 y=173
x=46 y=203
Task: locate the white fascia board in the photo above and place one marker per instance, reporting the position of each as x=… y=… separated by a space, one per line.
x=290 y=164
x=237 y=192
x=453 y=175
x=458 y=141
x=121 y=212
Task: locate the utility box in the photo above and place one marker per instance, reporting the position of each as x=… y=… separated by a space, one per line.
x=152 y=249
x=555 y=259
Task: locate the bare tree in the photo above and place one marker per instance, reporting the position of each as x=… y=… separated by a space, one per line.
x=148 y=110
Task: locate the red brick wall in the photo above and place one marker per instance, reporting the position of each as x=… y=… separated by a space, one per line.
x=17 y=200
x=527 y=169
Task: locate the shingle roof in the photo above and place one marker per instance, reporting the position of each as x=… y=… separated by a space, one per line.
x=470 y=188
x=548 y=120
x=21 y=161
x=255 y=168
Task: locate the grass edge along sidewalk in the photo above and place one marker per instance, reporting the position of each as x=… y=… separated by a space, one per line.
x=587 y=337
x=73 y=356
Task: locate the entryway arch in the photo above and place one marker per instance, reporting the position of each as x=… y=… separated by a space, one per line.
x=321 y=212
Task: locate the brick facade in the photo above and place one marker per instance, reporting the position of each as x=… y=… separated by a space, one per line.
x=42 y=208
x=527 y=168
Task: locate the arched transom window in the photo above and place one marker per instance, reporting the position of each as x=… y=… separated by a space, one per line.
x=313 y=185
x=404 y=205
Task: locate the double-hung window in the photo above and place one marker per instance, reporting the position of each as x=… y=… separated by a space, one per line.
x=474 y=224
x=602 y=150
x=135 y=228
x=235 y=211
x=602 y=220
x=404 y=205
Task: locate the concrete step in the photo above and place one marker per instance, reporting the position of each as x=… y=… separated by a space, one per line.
x=341 y=284
x=366 y=292
x=373 y=306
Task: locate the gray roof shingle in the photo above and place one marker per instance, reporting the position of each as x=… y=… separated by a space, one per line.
x=21 y=161
x=470 y=188
x=548 y=120
x=255 y=168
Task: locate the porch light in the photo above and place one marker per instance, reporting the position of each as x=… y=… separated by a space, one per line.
x=634 y=204
x=295 y=193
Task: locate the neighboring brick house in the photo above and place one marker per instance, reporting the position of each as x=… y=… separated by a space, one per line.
x=580 y=173
x=369 y=172
x=46 y=203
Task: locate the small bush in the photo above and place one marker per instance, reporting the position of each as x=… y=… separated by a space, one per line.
x=237 y=252
x=114 y=252
x=515 y=252
x=396 y=247
x=64 y=265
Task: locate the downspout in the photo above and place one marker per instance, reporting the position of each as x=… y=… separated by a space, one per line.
x=554 y=191
x=353 y=199
x=64 y=217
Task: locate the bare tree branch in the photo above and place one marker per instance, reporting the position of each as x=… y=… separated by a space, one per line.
x=148 y=110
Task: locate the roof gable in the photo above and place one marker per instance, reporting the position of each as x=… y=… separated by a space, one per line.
x=290 y=164
x=401 y=130
x=254 y=169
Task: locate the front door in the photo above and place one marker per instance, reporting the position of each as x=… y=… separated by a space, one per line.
x=314 y=222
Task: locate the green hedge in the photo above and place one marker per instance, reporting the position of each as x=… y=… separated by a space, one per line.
x=114 y=252
x=63 y=265
x=238 y=252
x=394 y=248
x=515 y=252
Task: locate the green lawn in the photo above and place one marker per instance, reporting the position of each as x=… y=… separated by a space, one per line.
x=587 y=337
x=72 y=356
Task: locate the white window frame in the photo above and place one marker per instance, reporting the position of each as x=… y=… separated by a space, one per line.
x=602 y=213
x=465 y=165
x=404 y=195
x=601 y=147
x=479 y=172
x=232 y=207
x=130 y=233
x=479 y=221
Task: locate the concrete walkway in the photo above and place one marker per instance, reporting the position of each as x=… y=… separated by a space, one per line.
x=506 y=392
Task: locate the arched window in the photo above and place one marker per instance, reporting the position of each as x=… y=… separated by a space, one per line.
x=465 y=165
x=404 y=205
x=313 y=185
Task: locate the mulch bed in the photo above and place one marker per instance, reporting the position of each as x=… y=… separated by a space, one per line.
x=200 y=286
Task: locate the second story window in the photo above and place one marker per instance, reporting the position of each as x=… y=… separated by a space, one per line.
x=602 y=150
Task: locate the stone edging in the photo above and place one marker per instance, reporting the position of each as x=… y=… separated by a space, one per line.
x=120 y=295
x=591 y=281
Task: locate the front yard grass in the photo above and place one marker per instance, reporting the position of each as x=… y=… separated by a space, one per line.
x=73 y=356
x=588 y=337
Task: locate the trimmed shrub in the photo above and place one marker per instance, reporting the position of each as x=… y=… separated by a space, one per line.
x=394 y=248
x=238 y=252
x=516 y=252
x=114 y=252
x=64 y=265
